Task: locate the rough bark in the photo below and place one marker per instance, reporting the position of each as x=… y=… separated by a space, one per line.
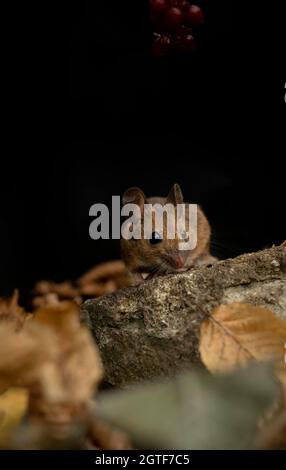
x=152 y=330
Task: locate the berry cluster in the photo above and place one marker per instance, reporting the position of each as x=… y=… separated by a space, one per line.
x=174 y=23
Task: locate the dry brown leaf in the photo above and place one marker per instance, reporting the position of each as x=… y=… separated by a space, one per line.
x=103 y=279
x=98 y=289
x=55 y=357
x=79 y=363
x=101 y=435
x=273 y=436
x=13 y=406
x=46 y=300
x=238 y=333
x=107 y=270
x=11 y=312
x=51 y=300
x=64 y=289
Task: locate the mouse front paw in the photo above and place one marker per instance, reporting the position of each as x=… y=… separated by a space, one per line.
x=137 y=279
x=207 y=260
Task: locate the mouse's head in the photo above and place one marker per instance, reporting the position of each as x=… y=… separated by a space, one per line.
x=155 y=251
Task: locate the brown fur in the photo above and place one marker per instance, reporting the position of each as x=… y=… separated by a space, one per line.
x=142 y=257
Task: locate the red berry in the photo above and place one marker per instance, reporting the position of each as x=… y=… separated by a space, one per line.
x=193 y=15
x=157 y=7
x=161 y=45
x=184 y=30
x=173 y=19
x=186 y=44
x=178 y=3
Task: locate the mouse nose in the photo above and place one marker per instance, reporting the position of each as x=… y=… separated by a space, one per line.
x=177 y=261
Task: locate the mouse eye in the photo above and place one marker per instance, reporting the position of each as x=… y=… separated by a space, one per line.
x=155 y=238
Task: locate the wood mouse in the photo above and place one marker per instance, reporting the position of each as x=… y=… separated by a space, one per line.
x=159 y=255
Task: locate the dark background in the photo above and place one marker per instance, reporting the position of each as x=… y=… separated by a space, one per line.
x=92 y=113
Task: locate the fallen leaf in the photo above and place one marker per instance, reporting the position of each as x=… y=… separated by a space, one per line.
x=13 y=406
x=273 y=436
x=64 y=290
x=98 y=289
x=31 y=435
x=11 y=312
x=102 y=279
x=238 y=333
x=108 y=270
x=193 y=411
x=46 y=300
x=56 y=359
x=102 y=435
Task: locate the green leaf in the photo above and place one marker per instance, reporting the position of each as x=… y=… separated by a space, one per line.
x=194 y=410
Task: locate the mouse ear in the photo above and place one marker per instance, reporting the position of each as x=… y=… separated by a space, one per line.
x=175 y=196
x=134 y=196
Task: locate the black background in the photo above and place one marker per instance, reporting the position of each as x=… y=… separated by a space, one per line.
x=91 y=113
